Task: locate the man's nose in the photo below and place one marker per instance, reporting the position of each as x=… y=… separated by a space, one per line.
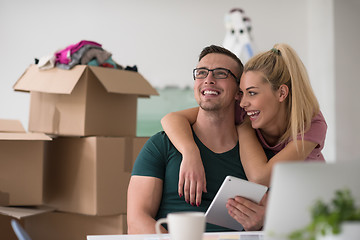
x=210 y=78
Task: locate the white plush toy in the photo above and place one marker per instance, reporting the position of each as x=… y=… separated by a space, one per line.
x=238 y=37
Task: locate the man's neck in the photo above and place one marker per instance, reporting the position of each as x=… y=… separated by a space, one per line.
x=216 y=131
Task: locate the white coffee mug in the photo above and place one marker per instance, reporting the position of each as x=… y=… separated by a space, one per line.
x=184 y=225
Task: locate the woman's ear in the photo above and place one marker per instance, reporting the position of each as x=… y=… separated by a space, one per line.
x=283 y=92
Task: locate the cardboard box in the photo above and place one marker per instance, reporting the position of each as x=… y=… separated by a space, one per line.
x=21 y=165
x=69 y=226
x=45 y=223
x=88 y=175
x=6 y=231
x=83 y=101
x=138 y=143
x=19 y=214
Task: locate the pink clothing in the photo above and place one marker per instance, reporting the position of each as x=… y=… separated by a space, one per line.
x=316 y=133
x=64 y=56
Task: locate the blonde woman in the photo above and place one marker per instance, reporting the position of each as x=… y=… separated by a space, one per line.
x=279 y=111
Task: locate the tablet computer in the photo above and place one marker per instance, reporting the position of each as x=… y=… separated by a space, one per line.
x=217 y=212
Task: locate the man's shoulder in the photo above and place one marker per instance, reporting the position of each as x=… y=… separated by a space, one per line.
x=161 y=135
x=151 y=160
x=159 y=139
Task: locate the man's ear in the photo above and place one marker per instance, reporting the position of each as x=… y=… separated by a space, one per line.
x=283 y=92
x=238 y=96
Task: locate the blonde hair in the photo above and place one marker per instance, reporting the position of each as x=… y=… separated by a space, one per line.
x=281 y=65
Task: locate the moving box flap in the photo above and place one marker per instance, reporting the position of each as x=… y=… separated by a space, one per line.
x=55 y=80
x=25 y=136
x=123 y=81
x=10 y=125
x=23 y=212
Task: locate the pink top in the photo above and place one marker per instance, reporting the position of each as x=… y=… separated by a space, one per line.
x=316 y=133
x=64 y=56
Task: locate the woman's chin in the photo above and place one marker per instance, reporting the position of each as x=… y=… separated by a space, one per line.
x=254 y=125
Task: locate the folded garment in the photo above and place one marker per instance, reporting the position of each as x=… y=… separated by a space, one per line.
x=75 y=58
x=99 y=54
x=46 y=62
x=108 y=63
x=64 y=56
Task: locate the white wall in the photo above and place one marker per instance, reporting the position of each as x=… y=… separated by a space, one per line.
x=163 y=38
x=347 y=80
x=321 y=62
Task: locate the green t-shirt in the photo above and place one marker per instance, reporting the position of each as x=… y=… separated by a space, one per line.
x=159 y=158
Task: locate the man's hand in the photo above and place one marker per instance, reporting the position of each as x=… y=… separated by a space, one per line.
x=192 y=181
x=249 y=214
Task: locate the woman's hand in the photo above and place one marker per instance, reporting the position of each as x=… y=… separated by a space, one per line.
x=249 y=214
x=192 y=181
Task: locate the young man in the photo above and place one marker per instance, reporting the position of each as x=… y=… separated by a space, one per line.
x=153 y=188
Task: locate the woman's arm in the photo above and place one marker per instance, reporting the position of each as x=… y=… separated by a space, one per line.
x=256 y=165
x=192 y=181
x=177 y=126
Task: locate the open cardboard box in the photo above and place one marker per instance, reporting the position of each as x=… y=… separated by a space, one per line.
x=89 y=175
x=83 y=101
x=19 y=214
x=70 y=226
x=21 y=165
x=43 y=223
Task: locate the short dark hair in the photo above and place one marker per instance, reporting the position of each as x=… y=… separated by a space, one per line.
x=221 y=50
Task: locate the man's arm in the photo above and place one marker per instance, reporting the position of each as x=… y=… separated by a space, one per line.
x=143 y=201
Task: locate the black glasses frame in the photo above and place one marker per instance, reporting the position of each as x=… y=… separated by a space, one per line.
x=212 y=71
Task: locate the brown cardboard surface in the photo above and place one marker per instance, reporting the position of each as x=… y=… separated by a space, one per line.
x=13 y=130
x=9 y=125
x=4 y=198
x=60 y=81
x=24 y=212
x=6 y=231
x=21 y=172
x=138 y=143
x=83 y=101
x=113 y=81
x=44 y=223
x=17 y=213
x=24 y=136
x=21 y=168
x=56 y=80
x=60 y=226
x=58 y=113
x=88 y=175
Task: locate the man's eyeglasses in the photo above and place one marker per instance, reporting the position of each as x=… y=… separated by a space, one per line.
x=218 y=73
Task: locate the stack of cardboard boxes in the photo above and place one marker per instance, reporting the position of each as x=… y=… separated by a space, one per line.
x=90 y=113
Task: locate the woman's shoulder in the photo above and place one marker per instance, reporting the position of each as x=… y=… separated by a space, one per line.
x=317 y=131
x=318 y=124
x=318 y=118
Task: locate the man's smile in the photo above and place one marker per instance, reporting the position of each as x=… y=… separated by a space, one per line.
x=210 y=92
